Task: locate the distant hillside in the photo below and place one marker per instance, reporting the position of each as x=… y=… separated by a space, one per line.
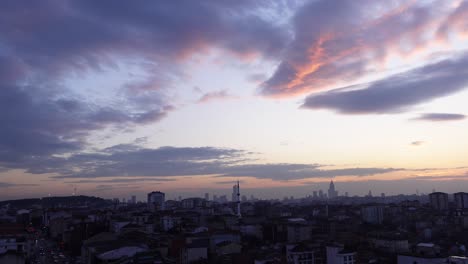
x=56 y=201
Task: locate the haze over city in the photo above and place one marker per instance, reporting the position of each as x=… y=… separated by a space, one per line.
x=112 y=98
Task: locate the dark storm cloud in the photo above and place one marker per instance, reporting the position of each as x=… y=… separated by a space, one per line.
x=440 y=117
x=398 y=92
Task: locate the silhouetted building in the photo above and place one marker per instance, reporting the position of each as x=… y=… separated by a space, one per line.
x=461 y=200
x=439 y=200
x=234 y=193
x=156 y=201
x=372 y=214
x=238 y=200
x=332 y=193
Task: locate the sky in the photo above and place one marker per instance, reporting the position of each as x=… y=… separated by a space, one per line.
x=119 y=98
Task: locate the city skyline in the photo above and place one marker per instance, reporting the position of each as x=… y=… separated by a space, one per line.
x=121 y=99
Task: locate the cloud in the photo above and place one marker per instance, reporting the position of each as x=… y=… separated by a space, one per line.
x=257 y=77
x=108 y=187
x=438 y=177
x=398 y=92
x=455 y=22
x=126 y=163
x=229 y=182
x=440 y=117
x=13 y=185
x=298 y=171
x=34 y=126
x=417 y=143
x=87 y=34
x=213 y=96
x=338 y=41
x=46 y=46
x=124 y=180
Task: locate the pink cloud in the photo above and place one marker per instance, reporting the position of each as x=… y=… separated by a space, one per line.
x=340 y=41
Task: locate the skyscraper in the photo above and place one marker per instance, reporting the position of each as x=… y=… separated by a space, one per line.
x=234 y=192
x=238 y=201
x=332 y=193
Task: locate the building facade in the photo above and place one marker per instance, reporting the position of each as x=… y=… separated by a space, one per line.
x=156 y=201
x=461 y=200
x=439 y=201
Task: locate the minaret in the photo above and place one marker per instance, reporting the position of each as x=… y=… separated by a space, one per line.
x=238 y=201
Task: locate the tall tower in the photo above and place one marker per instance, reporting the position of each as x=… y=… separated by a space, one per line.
x=234 y=192
x=331 y=190
x=238 y=201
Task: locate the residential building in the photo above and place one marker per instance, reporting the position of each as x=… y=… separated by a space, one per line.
x=156 y=201
x=439 y=201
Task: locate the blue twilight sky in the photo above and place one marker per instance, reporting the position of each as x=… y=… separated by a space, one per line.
x=116 y=98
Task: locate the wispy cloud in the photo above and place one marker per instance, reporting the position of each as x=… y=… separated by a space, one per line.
x=124 y=180
x=127 y=163
x=283 y=172
x=440 y=117
x=215 y=96
x=229 y=182
x=438 y=177
x=14 y=185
